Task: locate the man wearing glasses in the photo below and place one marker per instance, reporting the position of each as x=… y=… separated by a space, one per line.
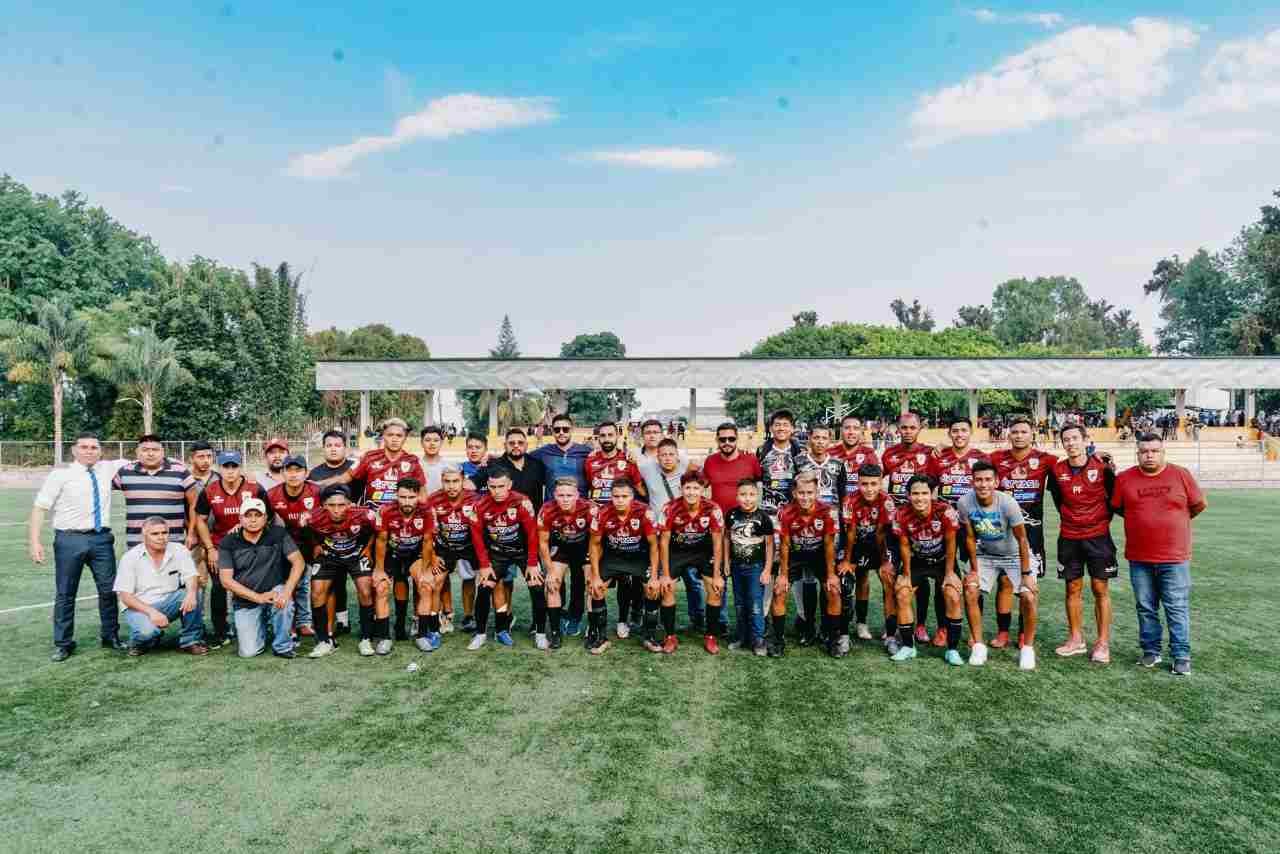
x=565 y=458
x=725 y=469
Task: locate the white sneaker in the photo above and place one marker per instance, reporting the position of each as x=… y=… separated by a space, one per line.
x=322 y=649
x=366 y=647
x=540 y=641
x=624 y=631
x=1027 y=658
x=384 y=647
x=864 y=633
x=978 y=656
x=477 y=641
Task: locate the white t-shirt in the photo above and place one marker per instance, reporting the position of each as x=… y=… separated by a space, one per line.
x=435 y=473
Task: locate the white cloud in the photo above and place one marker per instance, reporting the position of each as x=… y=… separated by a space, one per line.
x=662 y=158
x=1242 y=76
x=1048 y=20
x=1081 y=72
x=452 y=115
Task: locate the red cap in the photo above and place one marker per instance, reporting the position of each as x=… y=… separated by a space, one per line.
x=275 y=442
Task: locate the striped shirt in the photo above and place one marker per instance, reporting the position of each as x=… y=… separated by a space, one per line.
x=160 y=493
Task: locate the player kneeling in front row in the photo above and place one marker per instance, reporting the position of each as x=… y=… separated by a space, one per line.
x=563 y=533
x=509 y=542
x=926 y=531
x=996 y=538
x=868 y=515
x=404 y=549
x=806 y=555
x=692 y=529
x=338 y=537
x=623 y=549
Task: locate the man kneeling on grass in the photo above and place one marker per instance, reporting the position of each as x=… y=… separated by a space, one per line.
x=253 y=563
x=157 y=581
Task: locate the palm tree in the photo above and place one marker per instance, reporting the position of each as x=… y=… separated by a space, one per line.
x=48 y=350
x=145 y=366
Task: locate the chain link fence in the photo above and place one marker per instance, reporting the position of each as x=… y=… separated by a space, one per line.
x=36 y=455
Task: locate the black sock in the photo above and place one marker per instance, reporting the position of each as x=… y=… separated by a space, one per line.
x=906 y=635
x=1003 y=621
x=433 y=623
x=890 y=625
x=382 y=627
x=577 y=593
x=502 y=622
x=598 y=620
x=669 y=619
x=953 y=633
x=809 y=595
x=982 y=601
x=922 y=601
x=624 y=598
x=320 y=614
x=553 y=619
x=939 y=604
x=713 y=618
x=538 y=597
x=860 y=608
x=829 y=624
x=424 y=624
x=637 y=597
x=402 y=612
x=366 y=622
x=651 y=620
x=483 y=595
x=779 y=627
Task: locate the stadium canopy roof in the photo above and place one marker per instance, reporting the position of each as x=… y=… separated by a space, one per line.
x=889 y=373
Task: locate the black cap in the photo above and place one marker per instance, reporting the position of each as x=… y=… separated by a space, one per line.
x=296 y=460
x=335 y=489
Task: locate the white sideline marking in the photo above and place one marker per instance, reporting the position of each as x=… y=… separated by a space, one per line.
x=43 y=605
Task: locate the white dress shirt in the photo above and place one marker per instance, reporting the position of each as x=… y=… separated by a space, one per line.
x=138 y=574
x=68 y=492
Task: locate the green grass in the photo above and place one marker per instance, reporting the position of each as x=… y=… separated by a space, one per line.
x=515 y=750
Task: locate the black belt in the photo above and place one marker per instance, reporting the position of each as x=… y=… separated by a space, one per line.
x=83 y=531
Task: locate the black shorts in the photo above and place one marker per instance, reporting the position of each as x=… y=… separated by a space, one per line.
x=398 y=566
x=798 y=569
x=864 y=560
x=926 y=568
x=333 y=570
x=575 y=560
x=701 y=564
x=1097 y=554
x=450 y=560
x=611 y=568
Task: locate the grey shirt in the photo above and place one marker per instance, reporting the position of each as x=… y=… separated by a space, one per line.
x=992 y=526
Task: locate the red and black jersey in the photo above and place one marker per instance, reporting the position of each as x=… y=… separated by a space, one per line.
x=602 y=471
x=341 y=541
x=806 y=530
x=221 y=506
x=927 y=534
x=1083 y=497
x=509 y=528
x=854 y=459
x=405 y=534
x=456 y=529
x=863 y=518
x=953 y=473
x=381 y=475
x=569 y=530
x=1024 y=479
x=901 y=463
x=294 y=510
x=692 y=529
x=625 y=536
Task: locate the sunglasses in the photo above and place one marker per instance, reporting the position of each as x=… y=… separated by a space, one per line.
x=561 y=429
x=723 y=439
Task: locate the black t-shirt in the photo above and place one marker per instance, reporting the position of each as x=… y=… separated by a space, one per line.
x=260 y=566
x=747 y=532
x=324 y=471
x=529 y=481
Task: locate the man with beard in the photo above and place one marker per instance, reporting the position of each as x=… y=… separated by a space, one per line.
x=952 y=472
x=602 y=468
x=528 y=477
x=274 y=451
x=336 y=461
x=624 y=545
x=564 y=525
x=457 y=538
x=565 y=458
x=337 y=538
x=902 y=462
x=404 y=547
x=691 y=533
x=510 y=545
x=293 y=503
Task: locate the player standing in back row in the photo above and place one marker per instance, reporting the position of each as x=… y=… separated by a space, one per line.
x=952 y=472
x=902 y=462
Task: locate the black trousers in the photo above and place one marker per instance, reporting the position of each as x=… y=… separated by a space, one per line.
x=71 y=554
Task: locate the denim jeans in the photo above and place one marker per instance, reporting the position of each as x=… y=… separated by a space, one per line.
x=144 y=633
x=302 y=600
x=748 y=596
x=251 y=628
x=71 y=553
x=1169 y=584
x=695 y=596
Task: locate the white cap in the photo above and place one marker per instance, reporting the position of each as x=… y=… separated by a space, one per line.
x=253 y=504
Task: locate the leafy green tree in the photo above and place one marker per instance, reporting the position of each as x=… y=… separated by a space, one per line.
x=975 y=317
x=590 y=406
x=49 y=350
x=914 y=317
x=1056 y=312
x=373 y=341
x=507 y=347
x=146 y=367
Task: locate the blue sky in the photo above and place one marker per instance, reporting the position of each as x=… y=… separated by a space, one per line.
x=584 y=168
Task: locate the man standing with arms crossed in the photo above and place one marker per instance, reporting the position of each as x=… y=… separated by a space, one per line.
x=1158 y=500
x=565 y=458
x=602 y=468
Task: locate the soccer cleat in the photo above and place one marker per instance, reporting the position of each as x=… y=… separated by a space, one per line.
x=1027 y=658
x=652 y=645
x=842 y=646
x=504 y=638
x=940 y=637
x=423 y=643
x=322 y=649
x=554 y=640
x=1181 y=667
x=624 y=630
x=435 y=640
x=891 y=646
x=1150 y=659
x=1070 y=648
x=775 y=649
x=952 y=656
x=384 y=647
x=711 y=644
x=540 y=641
x=572 y=628
x=468 y=624
x=905 y=653
x=1000 y=641
x=735 y=645
x=216 y=641
x=922 y=634
x=365 y=647
x=670 y=645
x=759 y=648
x=1101 y=654
x=600 y=648
x=978 y=656
x=477 y=640
x=864 y=633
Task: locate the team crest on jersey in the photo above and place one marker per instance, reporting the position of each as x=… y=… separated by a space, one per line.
x=582 y=523
x=635 y=523
x=453 y=518
x=1034 y=463
x=920 y=458
x=706 y=520
x=1092 y=474
x=308 y=502
x=511 y=512
x=417 y=523
x=217 y=499
x=858 y=458
x=937 y=526
x=817 y=524
x=404 y=465
x=355 y=529
x=246 y=495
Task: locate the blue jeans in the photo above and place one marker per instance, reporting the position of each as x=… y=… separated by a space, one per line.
x=1169 y=584
x=144 y=633
x=71 y=553
x=748 y=597
x=302 y=600
x=695 y=596
x=251 y=628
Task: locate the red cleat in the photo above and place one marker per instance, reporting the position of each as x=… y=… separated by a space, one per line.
x=670 y=644
x=922 y=634
x=1000 y=641
x=711 y=645
x=940 y=637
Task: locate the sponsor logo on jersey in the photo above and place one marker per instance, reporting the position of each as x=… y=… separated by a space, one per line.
x=635 y=524
x=1034 y=462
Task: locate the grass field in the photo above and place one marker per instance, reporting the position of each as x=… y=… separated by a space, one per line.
x=516 y=750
